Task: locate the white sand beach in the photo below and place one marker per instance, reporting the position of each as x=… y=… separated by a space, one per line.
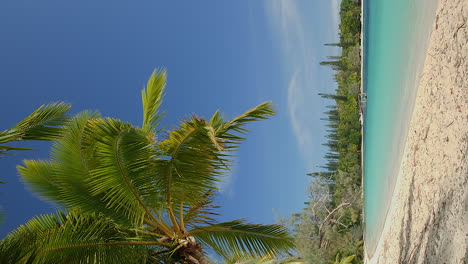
x=428 y=220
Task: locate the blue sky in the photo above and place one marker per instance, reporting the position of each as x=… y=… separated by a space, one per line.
x=230 y=56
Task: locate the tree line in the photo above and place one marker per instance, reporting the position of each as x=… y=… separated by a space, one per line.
x=329 y=227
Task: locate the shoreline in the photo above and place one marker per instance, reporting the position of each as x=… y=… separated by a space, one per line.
x=425 y=221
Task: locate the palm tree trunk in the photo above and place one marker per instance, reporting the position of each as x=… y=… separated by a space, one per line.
x=193 y=254
x=202 y=259
x=197 y=257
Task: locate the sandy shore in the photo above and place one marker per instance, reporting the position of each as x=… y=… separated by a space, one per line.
x=428 y=219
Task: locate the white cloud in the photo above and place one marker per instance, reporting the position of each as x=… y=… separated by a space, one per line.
x=225 y=186
x=298 y=115
x=302 y=66
x=335 y=13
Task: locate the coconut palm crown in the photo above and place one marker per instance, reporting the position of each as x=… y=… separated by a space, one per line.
x=138 y=194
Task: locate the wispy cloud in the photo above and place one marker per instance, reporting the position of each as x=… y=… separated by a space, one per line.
x=225 y=186
x=296 y=33
x=296 y=106
x=335 y=12
x=303 y=114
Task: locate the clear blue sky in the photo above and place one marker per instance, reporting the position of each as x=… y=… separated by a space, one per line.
x=228 y=55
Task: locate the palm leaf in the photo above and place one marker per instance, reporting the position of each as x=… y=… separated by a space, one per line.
x=200 y=213
x=122 y=169
x=83 y=238
x=192 y=165
x=40 y=177
x=237 y=238
x=43 y=124
x=12 y=250
x=197 y=153
x=224 y=130
x=66 y=178
x=152 y=98
x=63 y=179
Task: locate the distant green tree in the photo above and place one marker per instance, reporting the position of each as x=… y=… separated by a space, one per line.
x=331 y=225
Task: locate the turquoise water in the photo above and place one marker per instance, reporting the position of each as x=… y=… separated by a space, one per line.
x=395 y=41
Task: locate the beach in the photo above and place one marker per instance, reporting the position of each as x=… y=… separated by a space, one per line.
x=428 y=221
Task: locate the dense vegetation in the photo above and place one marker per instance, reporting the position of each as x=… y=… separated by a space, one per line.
x=330 y=225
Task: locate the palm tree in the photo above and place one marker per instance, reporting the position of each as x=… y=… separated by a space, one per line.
x=135 y=195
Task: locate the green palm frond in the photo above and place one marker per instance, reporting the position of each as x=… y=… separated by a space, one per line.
x=237 y=238
x=152 y=98
x=65 y=179
x=43 y=124
x=121 y=173
x=198 y=152
x=193 y=165
x=101 y=165
x=224 y=130
x=200 y=213
x=72 y=171
x=18 y=248
x=82 y=238
x=41 y=178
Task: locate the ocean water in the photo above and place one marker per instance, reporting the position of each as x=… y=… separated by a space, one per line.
x=395 y=36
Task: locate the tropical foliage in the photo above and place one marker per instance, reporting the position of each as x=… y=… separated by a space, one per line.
x=139 y=194
x=43 y=124
x=330 y=225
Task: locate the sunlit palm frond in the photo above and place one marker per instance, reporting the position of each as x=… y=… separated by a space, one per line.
x=43 y=124
x=152 y=97
x=122 y=167
x=201 y=212
x=78 y=237
x=197 y=152
x=192 y=166
x=101 y=165
x=14 y=249
x=63 y=179
x=237 y=238
x=225 y=130
x=41 y=178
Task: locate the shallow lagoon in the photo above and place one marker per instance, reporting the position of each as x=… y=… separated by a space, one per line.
x=395 y=36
